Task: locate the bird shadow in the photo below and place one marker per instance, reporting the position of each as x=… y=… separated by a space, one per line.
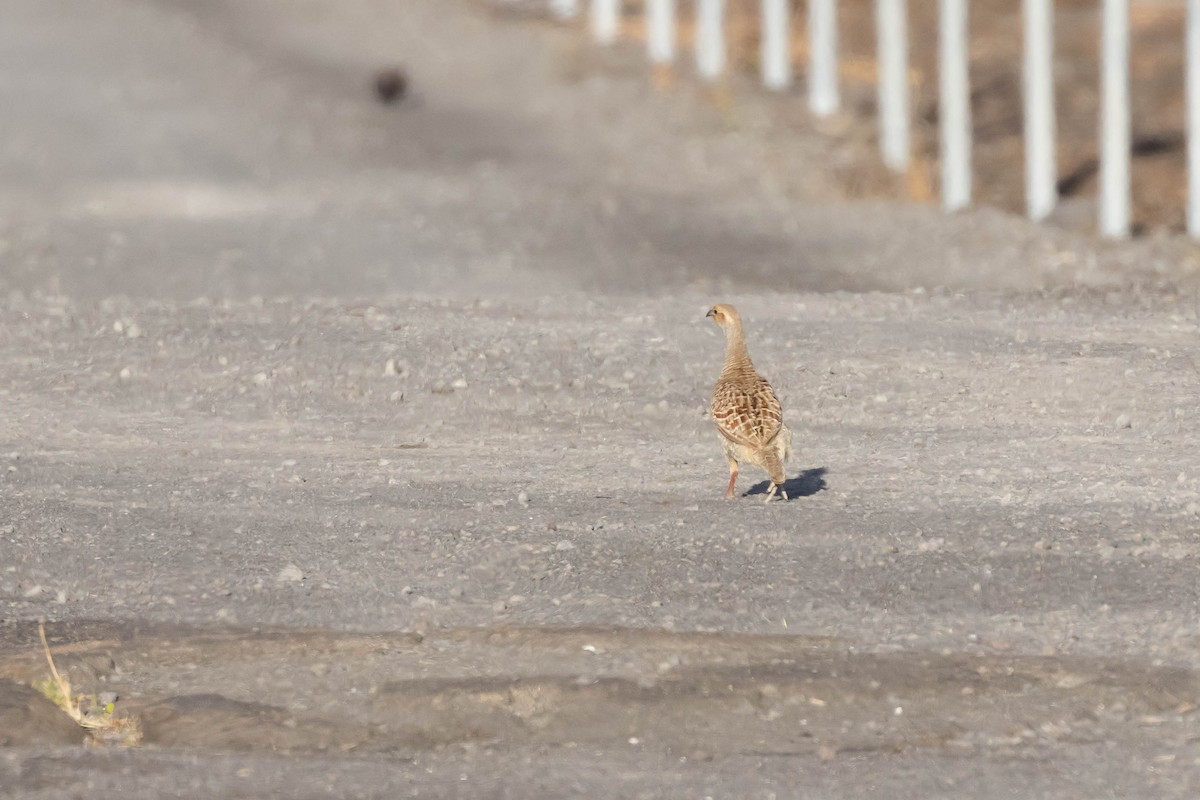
x=805 y=484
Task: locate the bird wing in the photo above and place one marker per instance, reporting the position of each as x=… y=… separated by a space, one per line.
x=747 y=413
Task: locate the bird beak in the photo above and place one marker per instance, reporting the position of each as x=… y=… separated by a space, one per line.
x=709 y=314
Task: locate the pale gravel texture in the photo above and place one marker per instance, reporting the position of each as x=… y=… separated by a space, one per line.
x=276 y=355
x=1014 y=463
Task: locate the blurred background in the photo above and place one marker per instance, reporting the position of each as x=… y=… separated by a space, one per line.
x=176 y=149
x=1157 y=54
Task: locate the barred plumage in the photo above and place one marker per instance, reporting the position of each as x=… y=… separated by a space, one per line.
x=748 y=415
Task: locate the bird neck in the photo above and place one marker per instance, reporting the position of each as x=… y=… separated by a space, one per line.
x=737 y=358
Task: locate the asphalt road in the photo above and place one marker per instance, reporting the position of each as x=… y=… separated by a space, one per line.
x=361 y=449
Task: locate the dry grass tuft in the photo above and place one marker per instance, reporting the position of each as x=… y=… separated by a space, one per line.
x=98 y=718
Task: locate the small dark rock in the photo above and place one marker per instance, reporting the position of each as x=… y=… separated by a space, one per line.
x=391 y=85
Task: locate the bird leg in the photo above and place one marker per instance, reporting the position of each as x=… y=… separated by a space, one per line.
x=733 y=473
x=775 y=486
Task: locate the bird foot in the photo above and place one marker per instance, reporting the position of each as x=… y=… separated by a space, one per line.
x=775 y=487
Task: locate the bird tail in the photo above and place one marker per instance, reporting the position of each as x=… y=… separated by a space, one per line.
x=785 y=443
x=775 y=455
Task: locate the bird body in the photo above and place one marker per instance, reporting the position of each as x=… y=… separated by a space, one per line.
x=747 y=413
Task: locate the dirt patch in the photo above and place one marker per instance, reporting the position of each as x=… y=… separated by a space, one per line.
x=211 y=720
x=713 y=694
x=27 y=719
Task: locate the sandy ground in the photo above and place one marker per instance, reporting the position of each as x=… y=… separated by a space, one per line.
x=362 y=450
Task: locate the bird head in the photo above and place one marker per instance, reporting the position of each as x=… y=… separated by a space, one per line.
x=724 y=315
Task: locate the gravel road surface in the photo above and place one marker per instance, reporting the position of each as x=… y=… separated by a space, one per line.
x=361 y=450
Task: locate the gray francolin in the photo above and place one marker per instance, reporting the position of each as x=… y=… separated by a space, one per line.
x=748 y=414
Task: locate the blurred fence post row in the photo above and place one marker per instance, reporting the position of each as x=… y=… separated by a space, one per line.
x=1193 y=117
x=954 y=115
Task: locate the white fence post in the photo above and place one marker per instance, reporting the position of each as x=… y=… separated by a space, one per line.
x=823 y=53
x=565 y=9
x=710 y=38
x=891 y=34
x=1193 y=117
x=660 y=36
x=776 y=44
x=1114 y=124
x=605 y=16
x=1041 y=171
x=954 y=105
